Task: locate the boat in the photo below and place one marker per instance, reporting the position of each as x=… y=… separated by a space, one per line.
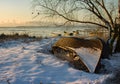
x=82 y=53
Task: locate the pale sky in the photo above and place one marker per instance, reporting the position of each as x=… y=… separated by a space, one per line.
x=15 y=11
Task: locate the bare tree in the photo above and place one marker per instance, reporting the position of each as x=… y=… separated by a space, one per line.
x=102 y=14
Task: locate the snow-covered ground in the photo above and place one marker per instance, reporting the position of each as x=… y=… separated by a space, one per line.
x=32 y=63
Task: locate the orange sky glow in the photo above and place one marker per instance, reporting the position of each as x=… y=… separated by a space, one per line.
x=15 y=12
x=19 y=13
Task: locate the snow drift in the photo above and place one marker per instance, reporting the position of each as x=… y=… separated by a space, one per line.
x=32 y=63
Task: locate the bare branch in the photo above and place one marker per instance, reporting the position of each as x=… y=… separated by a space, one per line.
x=88 y=22
x=105 y=9
x=67 y=8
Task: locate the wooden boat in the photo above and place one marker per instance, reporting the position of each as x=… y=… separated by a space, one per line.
x=83 y=54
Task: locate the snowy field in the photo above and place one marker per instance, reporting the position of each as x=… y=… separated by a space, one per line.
x=32 y=63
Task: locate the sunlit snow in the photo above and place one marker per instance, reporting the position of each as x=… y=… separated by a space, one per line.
x=32 y=63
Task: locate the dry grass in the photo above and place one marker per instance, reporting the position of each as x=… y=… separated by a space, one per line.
x=25 y=37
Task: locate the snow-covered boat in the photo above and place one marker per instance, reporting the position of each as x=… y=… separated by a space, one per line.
x=83 y=54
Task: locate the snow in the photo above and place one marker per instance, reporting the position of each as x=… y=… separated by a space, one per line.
x=90 y=57
x=32 y=63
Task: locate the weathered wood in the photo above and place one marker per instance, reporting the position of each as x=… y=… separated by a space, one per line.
x=84 y=54
x=71 y=56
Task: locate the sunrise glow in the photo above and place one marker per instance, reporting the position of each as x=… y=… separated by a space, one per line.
x=14 y=12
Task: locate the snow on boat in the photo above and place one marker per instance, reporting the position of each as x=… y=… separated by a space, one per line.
x=83 y=54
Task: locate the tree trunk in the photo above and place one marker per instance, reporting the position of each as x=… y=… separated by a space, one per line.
x=117 y=49
x=115 y=40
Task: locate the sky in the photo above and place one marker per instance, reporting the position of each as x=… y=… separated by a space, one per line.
x=14 y=12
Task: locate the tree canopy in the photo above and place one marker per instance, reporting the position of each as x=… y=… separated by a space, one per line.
x=103 y=13
x=98 y=12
